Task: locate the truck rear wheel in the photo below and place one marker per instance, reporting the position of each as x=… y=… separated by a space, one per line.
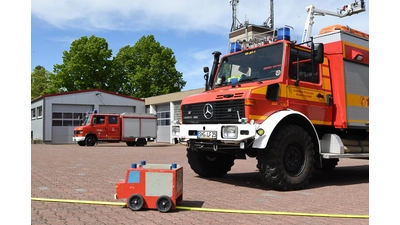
x=164 y=203
x=210 y=164
x=288 y=161
x=130 y=143
x=141 y=142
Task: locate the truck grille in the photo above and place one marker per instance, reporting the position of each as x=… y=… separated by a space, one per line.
x=222 y=112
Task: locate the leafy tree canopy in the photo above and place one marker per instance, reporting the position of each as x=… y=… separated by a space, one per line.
x=87 y=65
x=40 y=83
x=147 y=69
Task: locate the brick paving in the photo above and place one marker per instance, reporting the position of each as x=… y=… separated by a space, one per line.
x=72 y=172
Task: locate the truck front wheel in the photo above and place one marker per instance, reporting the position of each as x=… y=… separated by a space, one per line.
x=210 y=164
x=90 y=140
x=135 y=202
x=287 y=162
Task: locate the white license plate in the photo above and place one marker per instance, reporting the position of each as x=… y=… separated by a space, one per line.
x=203 y=134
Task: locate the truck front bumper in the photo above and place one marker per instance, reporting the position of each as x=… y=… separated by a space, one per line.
x=225 y=133
x=77 y=139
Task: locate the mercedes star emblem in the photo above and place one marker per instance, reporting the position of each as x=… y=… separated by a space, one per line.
x=208 y=111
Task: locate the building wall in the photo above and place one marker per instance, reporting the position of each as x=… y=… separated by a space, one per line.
x=37 y=120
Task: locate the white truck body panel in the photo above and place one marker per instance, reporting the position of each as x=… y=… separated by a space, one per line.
x=139 y=126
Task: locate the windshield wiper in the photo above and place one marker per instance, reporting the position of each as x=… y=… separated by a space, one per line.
x=248 y=79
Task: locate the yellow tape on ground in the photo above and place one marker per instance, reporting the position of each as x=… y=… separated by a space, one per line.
x=211 y=210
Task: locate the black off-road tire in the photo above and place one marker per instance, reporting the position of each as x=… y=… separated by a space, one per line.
x=210 y=164
x=90 y=140
x=81 y=143
x=287 y=163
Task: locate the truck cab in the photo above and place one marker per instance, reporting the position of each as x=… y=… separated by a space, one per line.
x=96 y=127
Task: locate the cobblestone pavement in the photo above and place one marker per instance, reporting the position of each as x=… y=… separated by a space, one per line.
x=89 y=174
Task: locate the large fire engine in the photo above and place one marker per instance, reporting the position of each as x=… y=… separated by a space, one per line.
x=133 y=128
x=299 y=107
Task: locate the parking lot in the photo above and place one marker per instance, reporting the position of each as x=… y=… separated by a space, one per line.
x=71 y=184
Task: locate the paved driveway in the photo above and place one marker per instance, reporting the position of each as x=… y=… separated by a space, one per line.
x=71 y=184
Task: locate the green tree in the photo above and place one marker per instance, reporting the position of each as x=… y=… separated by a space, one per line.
x=40 y=83
x=87 y=65
x=146 y=69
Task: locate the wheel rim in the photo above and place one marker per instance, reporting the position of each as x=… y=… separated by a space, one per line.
x=90 y=141
x=294 y=160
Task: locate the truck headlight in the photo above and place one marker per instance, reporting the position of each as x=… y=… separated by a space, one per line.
x=175 y=131
x=229 y=132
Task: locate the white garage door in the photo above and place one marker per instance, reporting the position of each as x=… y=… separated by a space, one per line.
x=64 y=119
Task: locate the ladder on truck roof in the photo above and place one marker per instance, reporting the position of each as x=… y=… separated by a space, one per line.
x=346 y=10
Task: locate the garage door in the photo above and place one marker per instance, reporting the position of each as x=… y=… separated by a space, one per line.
x=64 y=119
x=163 y=123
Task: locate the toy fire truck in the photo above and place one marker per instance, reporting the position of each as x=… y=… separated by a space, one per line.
x=151 y=186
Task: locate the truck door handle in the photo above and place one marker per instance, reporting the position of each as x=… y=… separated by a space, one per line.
x=319 y=95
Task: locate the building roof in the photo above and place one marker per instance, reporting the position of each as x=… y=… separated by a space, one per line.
x=171 y=97
x=83 y=91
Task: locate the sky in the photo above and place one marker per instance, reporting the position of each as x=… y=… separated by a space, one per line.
x=192 y=29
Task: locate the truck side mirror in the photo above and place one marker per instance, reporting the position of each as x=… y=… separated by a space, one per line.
x=318 y=53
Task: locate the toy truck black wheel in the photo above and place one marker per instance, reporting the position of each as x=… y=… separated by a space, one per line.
x=287 y=162
x=135 y=202
x=210 y=164
x=90 y=140
x=81 y=143
x=164 y=203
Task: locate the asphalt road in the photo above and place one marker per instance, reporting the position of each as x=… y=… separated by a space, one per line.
x=75 y=185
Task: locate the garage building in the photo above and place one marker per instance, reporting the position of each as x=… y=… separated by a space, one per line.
x=54 y=116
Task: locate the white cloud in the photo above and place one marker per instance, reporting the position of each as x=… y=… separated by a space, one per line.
x=183 y=15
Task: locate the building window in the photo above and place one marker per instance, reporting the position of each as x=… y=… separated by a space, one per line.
x=67 y=119
x=163 y=118
x=33 y=113
x=39 y=112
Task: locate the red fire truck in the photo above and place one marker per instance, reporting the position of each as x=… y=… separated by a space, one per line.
x=132 y=128
x=301 y=106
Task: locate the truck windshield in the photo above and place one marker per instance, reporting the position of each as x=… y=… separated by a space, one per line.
x=253 y=65
x=85 y=121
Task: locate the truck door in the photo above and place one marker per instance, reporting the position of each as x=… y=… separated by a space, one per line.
x=310 y=95
x=99 y=127
x=114 y=127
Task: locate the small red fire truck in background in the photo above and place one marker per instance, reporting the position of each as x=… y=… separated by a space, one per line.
x=132 y=128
